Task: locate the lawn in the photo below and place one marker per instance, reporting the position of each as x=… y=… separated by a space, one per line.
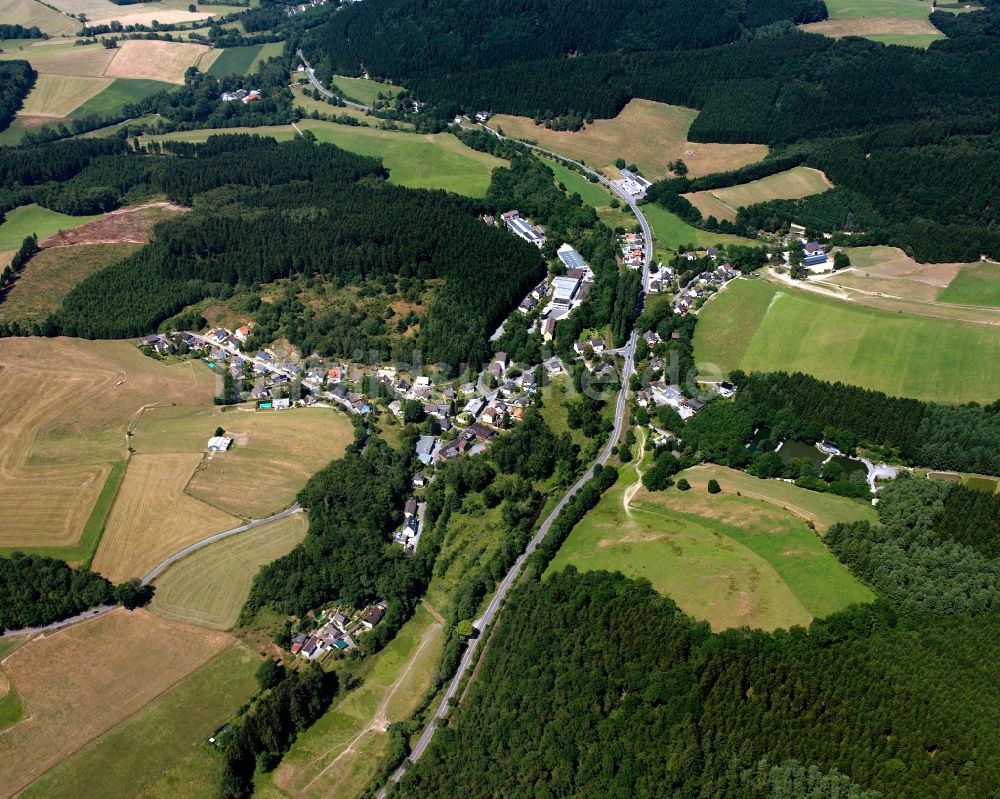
x=51 y=274
x=791 y=184
x=120 y=93
x=153 y=516
x=154 y=745
x=733 y=561
x=903 y=9
x=84 y=680
x=645 y=133
x=758 y=325
x=362 y=90
x=975 y=284
x=20 y=223
x=59 y=95
x=31 y=12
x=339 y=754
x=209 y=587
x=273 y=454
x=59 y=450
x=672 y=232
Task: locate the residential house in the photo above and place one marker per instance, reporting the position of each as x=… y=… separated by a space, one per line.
x=419 y=481
x=282 y=404
x=373 y=616
x=425 y=448
x=410 y=508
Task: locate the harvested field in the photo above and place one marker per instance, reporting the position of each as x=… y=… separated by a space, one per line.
x=78 y=683
x=646 y=133
x=278 y=450
x=154 y=60
x=57 y=445
x=49 y=276
x=209 y=587
x=153 y=518
x=59 y=95
x=163 y=742
x=30 y=12
x=873 y=26
x=66 y=59
x=161 y=15
x=133 y=225
x=793 y=184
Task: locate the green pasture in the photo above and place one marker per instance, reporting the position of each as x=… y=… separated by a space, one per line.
x=593 y=194
x=244 y=60
x=900 y=9
x=362 y=90
x=20 y=223
x=730 y=560
x=920 y=40
x=119 y=94
x=975 y=284
x=761 y=326
x=672 y=232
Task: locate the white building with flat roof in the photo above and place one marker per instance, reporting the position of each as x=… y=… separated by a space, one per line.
x=564 y=290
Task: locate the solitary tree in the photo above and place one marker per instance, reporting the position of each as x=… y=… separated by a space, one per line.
x=683 y=484
x=714 y=487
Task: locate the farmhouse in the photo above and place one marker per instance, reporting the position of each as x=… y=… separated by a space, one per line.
x=219 y=444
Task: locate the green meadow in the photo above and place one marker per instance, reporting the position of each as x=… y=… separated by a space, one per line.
x=900 y=9
x=761 y=326
x=593 y=194
x=672 y=232
x=119 y=94
x=921 y=40
x=362 y=90
x=27 y=219
x=730 y=560
x=975 y=284
x=243 y=60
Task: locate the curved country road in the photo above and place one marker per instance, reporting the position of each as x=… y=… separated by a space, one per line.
x=501 y=592
x=156 y=572
x=323 y=90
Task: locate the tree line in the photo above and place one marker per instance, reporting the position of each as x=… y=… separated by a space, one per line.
x=16 y=79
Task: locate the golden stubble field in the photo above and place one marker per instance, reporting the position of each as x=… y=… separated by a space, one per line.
x=646 y=133
x=153 y=518
x=155 y=60
x=66 y=406
x=79 y=682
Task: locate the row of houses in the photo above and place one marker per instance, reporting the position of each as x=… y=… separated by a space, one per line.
x=633 y=249
x=702 y=285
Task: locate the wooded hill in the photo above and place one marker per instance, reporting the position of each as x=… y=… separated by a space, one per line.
x=265 y=210
x=923 y=125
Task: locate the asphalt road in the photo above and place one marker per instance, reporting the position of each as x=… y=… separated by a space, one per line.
x=323 y=90
x=501 y=592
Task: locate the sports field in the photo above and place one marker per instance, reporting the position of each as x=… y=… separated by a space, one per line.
x=120 y=93
x=155 y=60
x=671 y=231
x=29 y=13
x=153 y=517
x=243 y=60
x=51 y=274
x=340 y=752
x=209 y=587
x=60 y=95
x=732 y=561
x=273 y=454
x=163 y=744
x=759 y=325
x=419 y=161
x=645 y=133
x=790 y=185
x=80 y=682
x=362 y=90
x=27 y=219
x=975 y=284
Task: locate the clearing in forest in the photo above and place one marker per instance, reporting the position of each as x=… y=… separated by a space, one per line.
x=732 y=561
x=81 y=681
x=160 y=751
x=67 y=405
x=790 y=185
x=762 y=326
x=133 y=225
x=340 y=753
x=645 y=133
x=209 y=587
x=155 y=60
x=153 y=517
